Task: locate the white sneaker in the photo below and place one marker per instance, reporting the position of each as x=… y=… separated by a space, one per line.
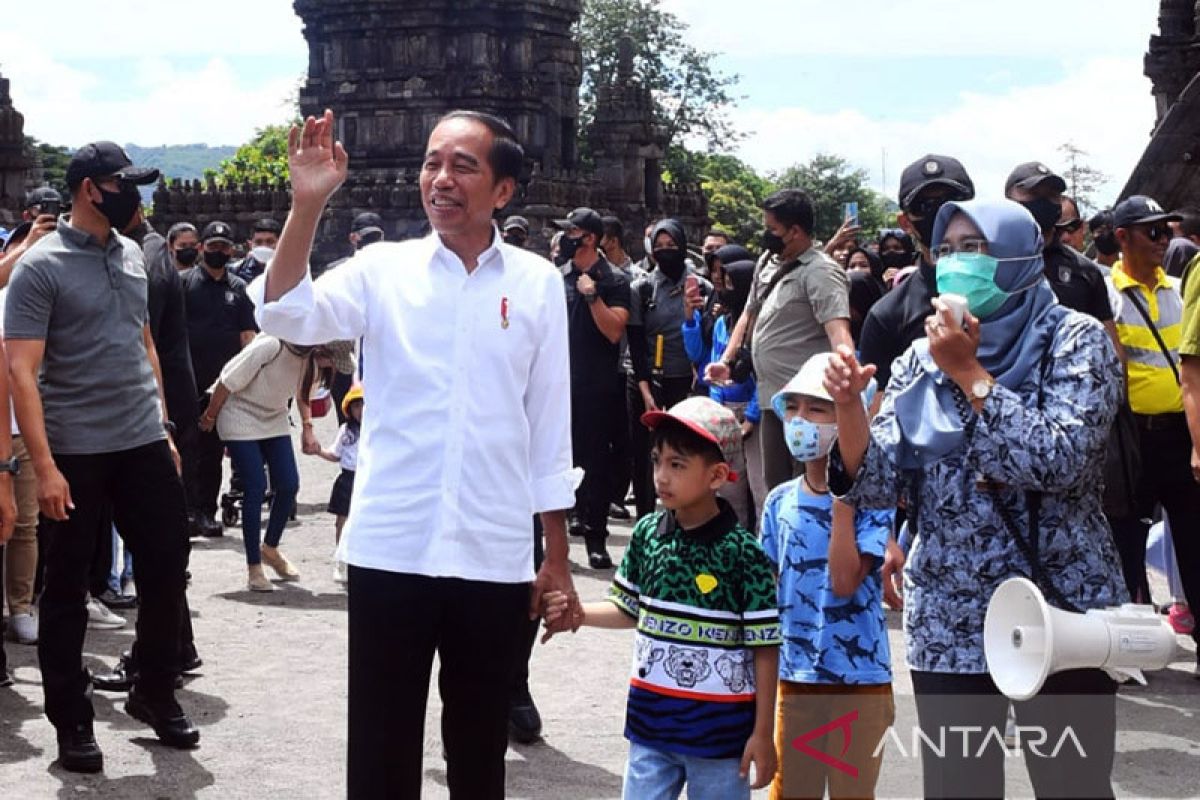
x=340 y=572
x=100 y=618
x=23 y=628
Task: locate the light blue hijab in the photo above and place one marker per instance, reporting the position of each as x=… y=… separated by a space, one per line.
x=1013 y=340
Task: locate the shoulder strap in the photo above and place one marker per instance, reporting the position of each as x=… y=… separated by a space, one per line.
x=1135 y=297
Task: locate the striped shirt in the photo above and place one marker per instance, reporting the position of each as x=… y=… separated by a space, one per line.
x=1153 y=387
x=704 y=600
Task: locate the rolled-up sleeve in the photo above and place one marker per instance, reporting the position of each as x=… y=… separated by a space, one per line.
x=548 y=406
x=331 y=309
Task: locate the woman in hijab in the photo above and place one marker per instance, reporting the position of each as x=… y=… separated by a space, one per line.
x=733 y=279
x=995 y=432
x=713 y=305
x=866 y=286
x=662 y=371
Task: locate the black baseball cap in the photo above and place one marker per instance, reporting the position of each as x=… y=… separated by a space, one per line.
x=931 y=170
x=1100 y=219
x=516 y=222
x=105 y=160
x=1139 y=209
x=584 y=219
x=42 y=194
x=366 y=223
x=1032 y=174
x=217 y=231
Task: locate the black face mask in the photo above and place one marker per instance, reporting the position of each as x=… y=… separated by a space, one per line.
x=187 y=256
x=1045 y=211
x=515 y=239
x=924 y=228
x=773 y=242
x=559 y=259
x=119 y=207
x=568 y=247
x=215 y=259
x=895 y=260
x=670 y=262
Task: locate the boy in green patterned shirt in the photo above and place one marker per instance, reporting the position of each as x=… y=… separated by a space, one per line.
x=701 y=594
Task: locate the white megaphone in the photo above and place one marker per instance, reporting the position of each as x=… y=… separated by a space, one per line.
x=1026 y=640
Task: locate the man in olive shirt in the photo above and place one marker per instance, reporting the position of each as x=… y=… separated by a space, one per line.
x=799 y=306
x=1189 y=374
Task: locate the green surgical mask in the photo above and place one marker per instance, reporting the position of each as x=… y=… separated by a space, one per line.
x=973 y=275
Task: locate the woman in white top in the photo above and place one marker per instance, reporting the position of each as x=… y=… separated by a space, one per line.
x=249 y=408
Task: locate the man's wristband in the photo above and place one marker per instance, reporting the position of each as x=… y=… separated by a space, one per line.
x=590 y=298
x=307 y=423
x=170 y=427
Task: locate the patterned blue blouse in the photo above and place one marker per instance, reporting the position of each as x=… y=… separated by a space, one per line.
x=1048 y=437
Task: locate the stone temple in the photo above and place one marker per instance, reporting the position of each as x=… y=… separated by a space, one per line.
x=1169 y=170
x=390 y=68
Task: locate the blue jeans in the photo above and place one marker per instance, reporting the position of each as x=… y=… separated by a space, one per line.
x=660 y=775
x=122 y=569
x=249 y=458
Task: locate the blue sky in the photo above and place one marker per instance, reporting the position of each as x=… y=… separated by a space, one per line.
x=873 y=80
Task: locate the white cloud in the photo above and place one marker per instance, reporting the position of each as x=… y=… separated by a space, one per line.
x=1102 y=105
x=144 y=28
x=919 y=27
x=160 y=102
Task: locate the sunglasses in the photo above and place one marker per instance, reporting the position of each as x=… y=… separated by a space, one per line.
x=1069 y=227
x=924 y=207
x=1156 y=232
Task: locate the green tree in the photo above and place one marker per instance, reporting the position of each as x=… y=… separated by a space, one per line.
x=1083 y=180
x=734 y=190
x=831 y=181
x=263 y=157
x=54 y=158
x=692 y=98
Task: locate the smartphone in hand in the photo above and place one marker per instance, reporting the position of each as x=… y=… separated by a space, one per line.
x=850 y=213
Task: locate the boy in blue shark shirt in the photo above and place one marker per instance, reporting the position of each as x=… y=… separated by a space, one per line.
x=835 y=664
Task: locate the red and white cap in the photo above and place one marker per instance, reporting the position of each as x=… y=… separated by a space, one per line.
x=706 y=418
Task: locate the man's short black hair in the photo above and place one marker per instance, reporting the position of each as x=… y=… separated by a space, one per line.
x=686 y=442
x=1190 y=224
x=720 y=234
x=613 y=227
x=791 y=207
x=268 y=225
x=178 y=229
x=507 y=157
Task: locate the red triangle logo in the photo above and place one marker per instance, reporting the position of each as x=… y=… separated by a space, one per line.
x=843 y=724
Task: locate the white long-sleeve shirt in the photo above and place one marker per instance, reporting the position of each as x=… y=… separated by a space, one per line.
x=466 y=429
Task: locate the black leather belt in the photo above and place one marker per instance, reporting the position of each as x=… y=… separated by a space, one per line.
x=1161 y=422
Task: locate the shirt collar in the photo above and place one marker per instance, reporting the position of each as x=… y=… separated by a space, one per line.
x=83 y=239
x=1122 y=280
x=725 y=521
x=493 y=253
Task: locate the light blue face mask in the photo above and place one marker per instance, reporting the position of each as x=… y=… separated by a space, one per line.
x=809 y=441
x=973 y=275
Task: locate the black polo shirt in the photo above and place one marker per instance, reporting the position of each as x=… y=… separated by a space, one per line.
x=1077 y=282
x=168 y=327
x=896 y=321
x=218 y=310
x=594 y=359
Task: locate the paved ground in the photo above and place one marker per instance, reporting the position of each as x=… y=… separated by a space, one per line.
x=271 y=700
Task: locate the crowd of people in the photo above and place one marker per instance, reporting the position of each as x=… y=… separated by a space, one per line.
x=805 y=435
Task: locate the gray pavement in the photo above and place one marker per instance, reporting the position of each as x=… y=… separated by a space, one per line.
x=271 y=699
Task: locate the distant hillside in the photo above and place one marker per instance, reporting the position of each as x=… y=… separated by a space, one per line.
x=186 y=161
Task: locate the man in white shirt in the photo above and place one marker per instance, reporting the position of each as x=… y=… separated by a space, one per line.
x=467 y=434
